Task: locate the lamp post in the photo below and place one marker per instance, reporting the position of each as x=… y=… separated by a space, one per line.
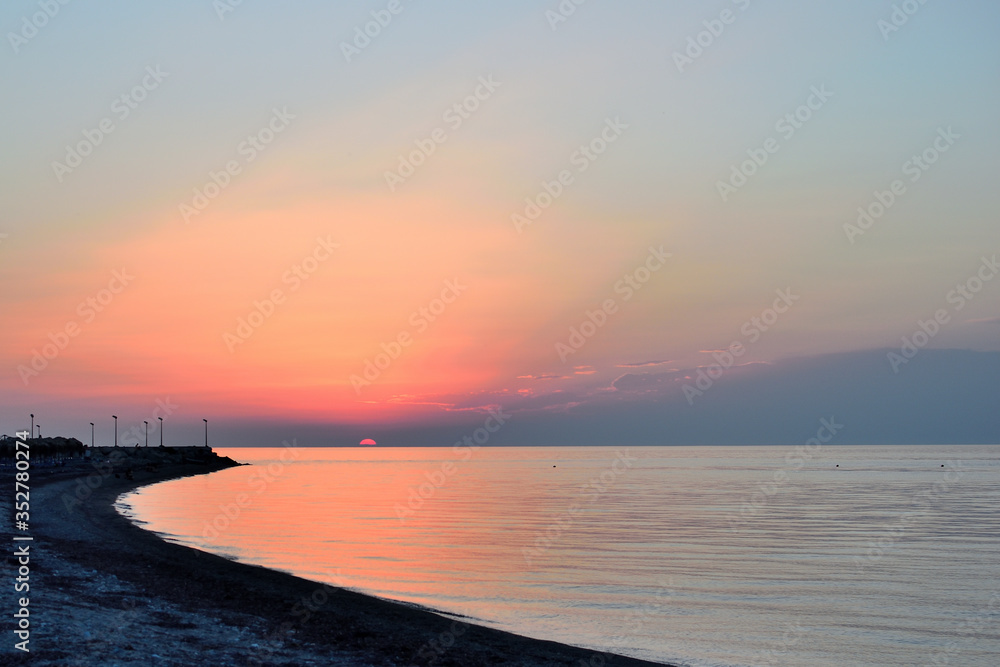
x=115 y=417
x=147 y=432
x=32 y=432
x=206 y=431
x=91 y=434
x=161 y=430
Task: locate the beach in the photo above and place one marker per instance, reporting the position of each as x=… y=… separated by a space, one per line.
x=104 y=591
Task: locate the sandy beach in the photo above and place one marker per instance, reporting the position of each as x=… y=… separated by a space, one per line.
x=104 y=591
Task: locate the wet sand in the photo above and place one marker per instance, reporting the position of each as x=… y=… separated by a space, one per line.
x=104 y=591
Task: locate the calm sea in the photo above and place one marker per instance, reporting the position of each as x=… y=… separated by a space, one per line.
x=700 y=556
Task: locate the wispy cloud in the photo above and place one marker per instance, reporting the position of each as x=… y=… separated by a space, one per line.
x=645 y=364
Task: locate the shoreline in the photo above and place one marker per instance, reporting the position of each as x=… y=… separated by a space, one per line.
x=106 y=591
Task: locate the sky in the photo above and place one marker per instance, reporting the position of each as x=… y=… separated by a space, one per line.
x=610 y=222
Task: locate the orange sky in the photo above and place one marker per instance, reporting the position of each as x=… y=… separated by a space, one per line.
x=589 y=120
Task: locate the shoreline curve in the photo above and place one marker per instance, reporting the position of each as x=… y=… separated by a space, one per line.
x=183 y=605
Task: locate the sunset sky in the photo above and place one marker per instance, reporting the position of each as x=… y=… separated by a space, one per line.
x=219 y=211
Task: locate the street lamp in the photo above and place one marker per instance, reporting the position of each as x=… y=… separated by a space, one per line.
x=115 y=417
x=161 y=430
x=206 y=431
x=91 y=434
x=147 y=431
x=32 y=433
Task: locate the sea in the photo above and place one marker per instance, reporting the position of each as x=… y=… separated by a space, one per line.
x=812 y=555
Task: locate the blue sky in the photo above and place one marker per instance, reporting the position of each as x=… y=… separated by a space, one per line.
x=891 y=95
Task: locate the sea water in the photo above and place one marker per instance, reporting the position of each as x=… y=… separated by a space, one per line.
x=701 y=556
